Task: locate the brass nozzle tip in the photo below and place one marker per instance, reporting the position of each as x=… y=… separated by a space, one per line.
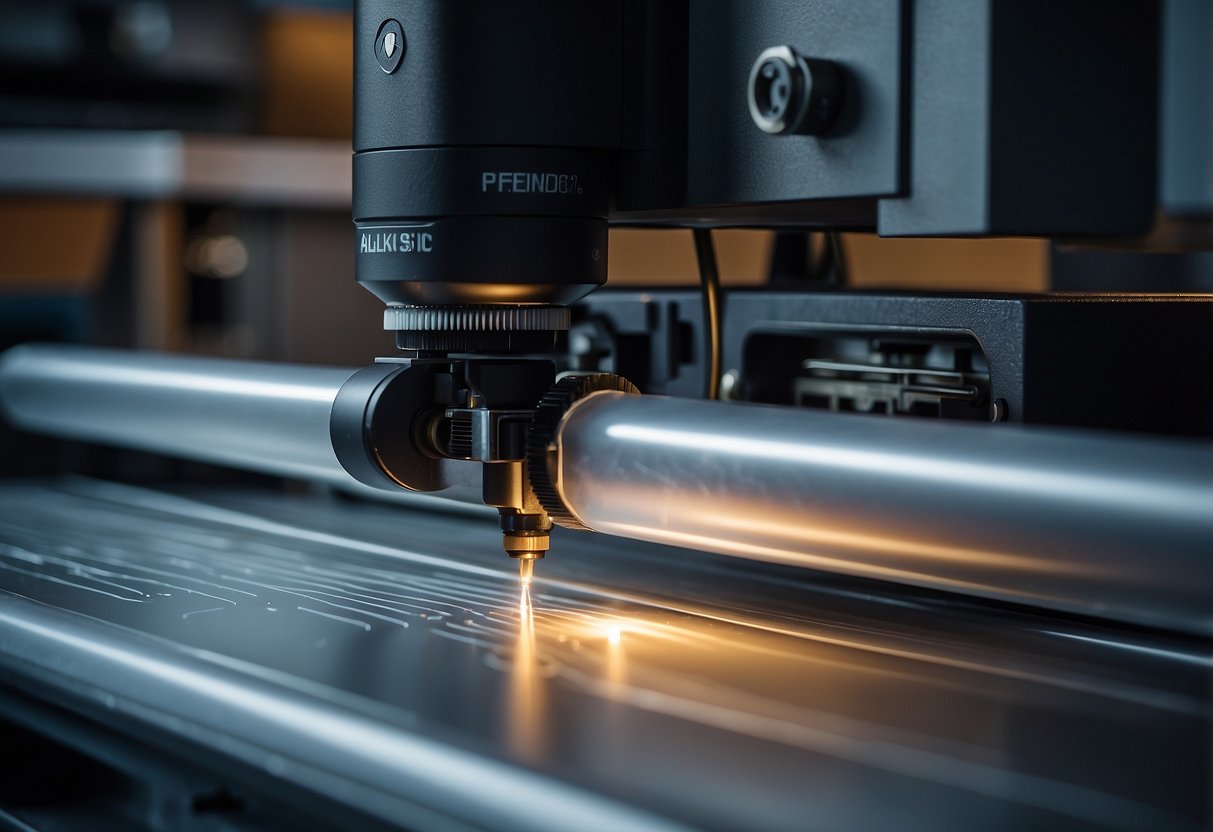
x=526 y=546
x=526 y=549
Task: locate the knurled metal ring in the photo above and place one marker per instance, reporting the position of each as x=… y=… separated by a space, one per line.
x=476 y=318
x=541 y=450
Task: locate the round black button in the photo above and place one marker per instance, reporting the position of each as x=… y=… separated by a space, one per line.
x=791 y=94
x=389 y=45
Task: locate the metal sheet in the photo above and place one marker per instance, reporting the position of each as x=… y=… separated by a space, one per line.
x=388 y=658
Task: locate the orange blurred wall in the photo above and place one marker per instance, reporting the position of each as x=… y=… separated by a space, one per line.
x=664 y=257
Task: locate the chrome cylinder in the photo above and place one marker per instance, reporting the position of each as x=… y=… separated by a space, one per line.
x=272 y=418
x=1114 y=526
x=1107 y=525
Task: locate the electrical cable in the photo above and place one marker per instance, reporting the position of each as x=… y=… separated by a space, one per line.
x=837 y=259
x=709 y=278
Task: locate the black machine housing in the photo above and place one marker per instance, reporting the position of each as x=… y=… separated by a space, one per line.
x=1103 y=361
x=498 y=140
x=495 y=142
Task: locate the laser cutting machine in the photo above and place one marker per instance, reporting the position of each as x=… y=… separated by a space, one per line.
x=1007 y=459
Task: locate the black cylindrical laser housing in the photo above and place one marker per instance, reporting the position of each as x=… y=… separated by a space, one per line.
x=483 y=165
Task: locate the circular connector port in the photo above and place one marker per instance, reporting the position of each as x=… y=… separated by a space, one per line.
x=791 y=94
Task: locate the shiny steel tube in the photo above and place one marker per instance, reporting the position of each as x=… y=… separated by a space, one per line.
x=272 y=418
x=1115 y=526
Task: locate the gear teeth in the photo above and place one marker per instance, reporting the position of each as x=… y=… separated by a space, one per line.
x=459 y=441
x=476 y=318
x=542 y=433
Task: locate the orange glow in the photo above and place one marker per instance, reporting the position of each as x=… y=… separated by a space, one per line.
x=616 y=662
x=808 y=534
x=789 y=555
x=527 y=737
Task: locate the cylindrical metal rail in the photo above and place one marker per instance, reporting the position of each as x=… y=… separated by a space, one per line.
x=1115 y=526
x=272 y=418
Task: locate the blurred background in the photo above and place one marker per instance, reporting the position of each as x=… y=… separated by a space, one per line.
x=176 y=176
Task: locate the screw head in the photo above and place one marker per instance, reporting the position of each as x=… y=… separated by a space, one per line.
x=389 y=45
x=790 y=94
